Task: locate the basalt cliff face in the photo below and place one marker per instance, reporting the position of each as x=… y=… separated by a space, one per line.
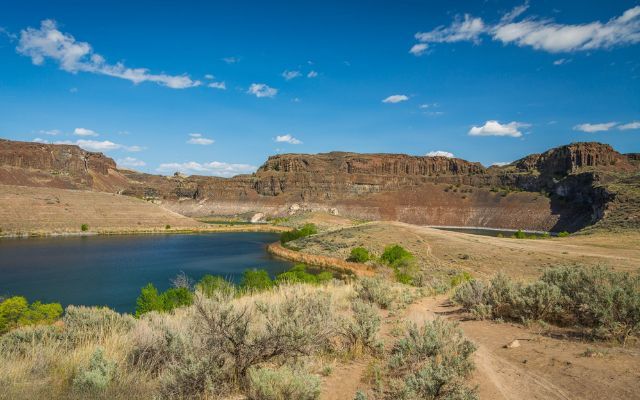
x=565 y=188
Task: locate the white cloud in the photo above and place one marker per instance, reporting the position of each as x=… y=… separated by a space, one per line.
x=418 y=49
x=262 y=90
x=500 y=164
x=288 y=75
x=396 y=98
x=40 y=140
x=214 y=168
x=73 y=56
x=51 y=132
x=439 y=153
x=288 y=139
x=130 y=162
x=540 y=34
x=218 y=85
x=562 y=61
x=96 y=145
x=84 y=132
x=134 y=149
x=495 y=128
x=209 y=76
x=231 y=60
x=197 y=138
x=591 y=128
x=312 y=74
x=630 y=125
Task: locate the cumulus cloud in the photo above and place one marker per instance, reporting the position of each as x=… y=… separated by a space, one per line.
x=629 y=126
x=591 y=128
x=47 y=42
x=396 y=98
x=312 y=74
x=214 y=168
x=262 y=90
x=539 y=33
x=288 y=75
x=439 y=153
x=288 y=139
x=130 y=162
x=197 y=138
x=84 y=132
x=218 y=85
x=495 y=128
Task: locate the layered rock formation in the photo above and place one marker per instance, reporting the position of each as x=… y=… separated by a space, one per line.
x=562 y=189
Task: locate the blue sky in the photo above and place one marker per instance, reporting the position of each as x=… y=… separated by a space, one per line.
x=215 y=88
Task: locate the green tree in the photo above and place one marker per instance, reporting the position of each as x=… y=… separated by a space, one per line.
x=176 y=297
x=255 y=280
x=210 y=284
x=306 y=230
x=11 y=310
x=394 y=254
x=84 y=227
x=359 y=254
x=149 y=300
x=41 y=313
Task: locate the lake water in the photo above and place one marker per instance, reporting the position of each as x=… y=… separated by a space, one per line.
x=110 y=270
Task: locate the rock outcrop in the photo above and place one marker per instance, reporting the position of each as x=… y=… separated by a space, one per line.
x=564 y=188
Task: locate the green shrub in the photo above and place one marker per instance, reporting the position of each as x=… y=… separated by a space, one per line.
x=520 y=234
x=16 y=311
x=394 y=254
x=151 y=300
x=563 y=234
x=306 y=230
x=210 y=284
x=167 y=226
x=460 y=278
x=298 y=274
x=97 y=375
x=84 y=227
x=432 y=362
x=359 y=254
x=283 y=383
x=469 y=294
x=256 y=280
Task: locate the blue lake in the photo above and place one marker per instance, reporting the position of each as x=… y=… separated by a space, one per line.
x=110 y=270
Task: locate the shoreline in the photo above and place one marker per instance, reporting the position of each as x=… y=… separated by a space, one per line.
x=278 y=250
x=149 y=231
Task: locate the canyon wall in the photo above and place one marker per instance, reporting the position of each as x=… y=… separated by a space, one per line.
x=564 y=188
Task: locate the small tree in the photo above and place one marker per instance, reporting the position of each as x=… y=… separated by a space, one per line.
x=84 y=227
x=149 y=300
x=256 y=280
x=395 y=253
x=210 y=285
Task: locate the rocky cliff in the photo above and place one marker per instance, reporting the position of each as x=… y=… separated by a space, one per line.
x=565 y=188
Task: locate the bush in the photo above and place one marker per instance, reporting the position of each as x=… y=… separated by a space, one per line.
x=298 y=274
x=359 y=255
x=460 y=278
x=469 y=294
x=167 y=226
x=97 y=375
x=432 y=362
x=88 y=324
x=209 y=285
x=16 y=311
x=306 y=230
x=256 y=280
x=84 y=227
x=375 y=290
x=520 y=234
x=361 y=332
x=283 y=383
x=563 y=234
x=394 y=254
x=151 y=300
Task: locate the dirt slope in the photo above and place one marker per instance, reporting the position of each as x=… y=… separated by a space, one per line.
x=49 y=210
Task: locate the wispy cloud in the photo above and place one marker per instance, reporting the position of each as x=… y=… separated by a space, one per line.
x=231 y=60
x=262 y=90
x=93 y=145
x=215 y=85
x=50 y=132
x=591 y=128
x=312 y=74
x=629 y=126
x=197 y=138
x=561 y=61
x=288 y=139
x=47 y=42
x=289 y=75
x=439 y=153
x=539 y=33
x=84 y=132
x=495 y=128
x=130 y=162
x=500 y=164
x=396 y=98
x=214 y=168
